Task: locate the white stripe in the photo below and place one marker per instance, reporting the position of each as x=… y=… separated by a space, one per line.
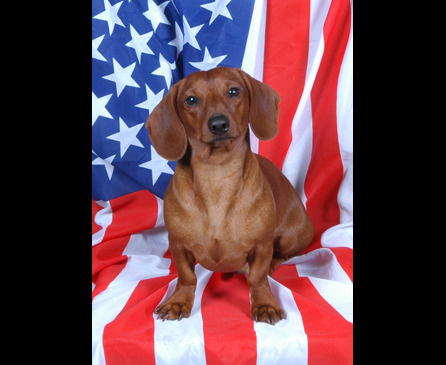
x=105 y=307
x=329 y=279
x=338 y=295
x=145 y=252
x=160 y=217
x=297 y=160
x=320 y=263
x=255 y=45
x=253 y=57
x=103 y=218
x=182 y=342
x=318 y=15
x=344 y=113
x=286 y=342
x=340 y=235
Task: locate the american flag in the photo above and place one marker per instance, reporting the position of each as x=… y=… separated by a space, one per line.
x=304 y=50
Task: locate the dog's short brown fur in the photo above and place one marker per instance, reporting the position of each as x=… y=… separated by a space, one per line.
x=225 y=207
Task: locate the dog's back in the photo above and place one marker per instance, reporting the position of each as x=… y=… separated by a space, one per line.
x=294 y=230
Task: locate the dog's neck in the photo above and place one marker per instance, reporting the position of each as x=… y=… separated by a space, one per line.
x=217 y=171
x=218 y=158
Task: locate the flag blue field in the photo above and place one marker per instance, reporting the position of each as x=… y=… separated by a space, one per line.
x=139 y=49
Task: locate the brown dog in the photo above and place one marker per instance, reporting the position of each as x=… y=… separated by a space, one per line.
x=227 y=208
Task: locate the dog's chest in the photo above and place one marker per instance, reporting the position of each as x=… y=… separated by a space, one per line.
x=221 y=219
x=220 y=241
x=220 y=230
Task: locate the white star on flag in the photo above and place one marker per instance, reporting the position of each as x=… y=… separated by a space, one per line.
x=218 y=8
x=98 y=107
x=95 y=43
x=178 y=40
x=208 y=62
x=190 y=34
x=152 y=99
x=157 y=165
x=165 y=70
x=139 y=42
x=126 y=137
x=110 y=15
x=122 y=77
x=156 y=14
x=106 y=162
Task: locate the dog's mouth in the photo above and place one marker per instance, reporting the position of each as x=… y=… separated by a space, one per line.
x=223 y=138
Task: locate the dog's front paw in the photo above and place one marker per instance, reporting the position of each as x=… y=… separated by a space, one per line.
x=173 y=310
x=267 y=313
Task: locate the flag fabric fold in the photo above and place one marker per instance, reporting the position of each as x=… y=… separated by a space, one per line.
x=304 y=50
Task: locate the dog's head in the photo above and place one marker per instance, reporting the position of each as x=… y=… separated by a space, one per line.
x=212 y=107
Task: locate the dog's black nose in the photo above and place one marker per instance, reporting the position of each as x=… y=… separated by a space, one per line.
x=218 y=124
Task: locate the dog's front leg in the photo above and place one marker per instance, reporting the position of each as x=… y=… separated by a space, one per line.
x=179 y=305
x=264 y=307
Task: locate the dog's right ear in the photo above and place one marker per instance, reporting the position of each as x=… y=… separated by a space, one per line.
x=166 y=130
x=264 y=107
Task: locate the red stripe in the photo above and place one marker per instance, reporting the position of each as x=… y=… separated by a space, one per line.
x=172 y=268
x=330 y=336
x=129 y=338
x=132 y=213
x=285 y=66
x=325 y=171
x=228 y=330
x=95 y=208
x=107 y=262
x=344 y=255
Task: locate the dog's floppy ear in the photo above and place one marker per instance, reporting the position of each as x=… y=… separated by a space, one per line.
x=166 y=130
x=264 y=107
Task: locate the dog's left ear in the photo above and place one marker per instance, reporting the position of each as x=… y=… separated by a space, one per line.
x=264 y=107
x=166 y=131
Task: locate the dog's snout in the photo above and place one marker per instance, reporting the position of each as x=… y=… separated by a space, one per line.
x=218 y=124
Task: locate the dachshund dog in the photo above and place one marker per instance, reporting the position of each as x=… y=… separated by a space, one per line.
x=225 y=207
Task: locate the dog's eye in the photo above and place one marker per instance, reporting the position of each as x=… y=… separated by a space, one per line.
x=191 y=100
x=233 y=92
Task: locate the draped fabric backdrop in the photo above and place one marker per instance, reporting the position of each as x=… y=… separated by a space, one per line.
x=304 y=50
